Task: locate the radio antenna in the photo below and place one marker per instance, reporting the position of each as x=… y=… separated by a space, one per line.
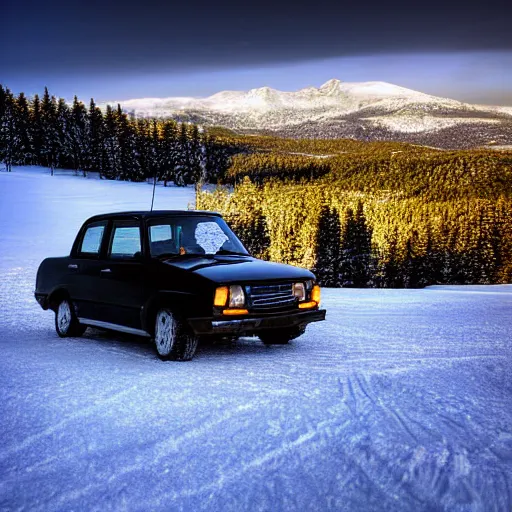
x=154 y=187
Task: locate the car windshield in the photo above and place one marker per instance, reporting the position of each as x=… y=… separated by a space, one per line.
x=197 y=235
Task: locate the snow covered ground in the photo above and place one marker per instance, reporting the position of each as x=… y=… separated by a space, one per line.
x=401 y=400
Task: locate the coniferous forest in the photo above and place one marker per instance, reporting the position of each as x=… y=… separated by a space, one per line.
x=359 y=214
x=47 y=131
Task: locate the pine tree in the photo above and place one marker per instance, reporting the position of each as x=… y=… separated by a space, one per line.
x=328 y=262
x=8 y=135
x=356 y=250
x=144 y=149
x=23 y=153
x=96 y=133
x=50 y=143
x=64 y=149
x=78 y=133
x=183 y=168
x=3 y=96
x=392 y=276
x=217 y=155
x=169 y=158
x=210 y=164
x=469 y=268
x=432 y=260
x=137 y=172
x=128 y=162
x=196 y=156
x=3 y=100
x=153 y=169
x=502 y=241
x=489 y=257
x=413 y=267
x=252 y=230
x=495 y=242
x=36 y=131
x=111 y=150
x=451 y=267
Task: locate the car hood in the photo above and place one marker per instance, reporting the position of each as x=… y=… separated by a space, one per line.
x=235 y=269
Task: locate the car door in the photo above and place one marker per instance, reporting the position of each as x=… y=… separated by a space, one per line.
x=122 y=283
x=84 y=269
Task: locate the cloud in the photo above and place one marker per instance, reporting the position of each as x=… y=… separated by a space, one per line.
x=154 y=36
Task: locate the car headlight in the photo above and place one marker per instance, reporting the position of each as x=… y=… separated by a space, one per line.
x=232 y=296
x=313 y=294
x=236 y=296
x=299 y=290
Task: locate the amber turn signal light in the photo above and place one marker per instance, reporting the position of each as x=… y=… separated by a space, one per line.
x=221 y=296
x=315 y=294
x=307 y=305
x=235 y=312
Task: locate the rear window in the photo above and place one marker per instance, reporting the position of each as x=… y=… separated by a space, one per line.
x=93 y=236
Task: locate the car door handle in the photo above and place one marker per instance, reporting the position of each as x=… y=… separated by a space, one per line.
x=106 y=271
x=72 y=266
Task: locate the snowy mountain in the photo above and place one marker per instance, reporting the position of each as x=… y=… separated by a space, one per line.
x=363 y=110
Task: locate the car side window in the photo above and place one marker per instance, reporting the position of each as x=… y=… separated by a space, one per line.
x=91 y=241
x=163 y=239
x=160 y=232
x=125 y=241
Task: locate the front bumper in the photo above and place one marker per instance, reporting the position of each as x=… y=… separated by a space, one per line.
x=42 y=300
x=250 y=325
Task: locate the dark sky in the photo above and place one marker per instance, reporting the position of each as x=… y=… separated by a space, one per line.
x=119 y=35
x=119 y=38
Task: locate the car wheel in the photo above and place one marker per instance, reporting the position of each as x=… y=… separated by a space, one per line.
x=281 y=336
x=66 y=322
x=174 y=340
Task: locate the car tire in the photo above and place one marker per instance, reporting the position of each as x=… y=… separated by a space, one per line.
x=281 y=336
x=66 y=322
x=174 y=340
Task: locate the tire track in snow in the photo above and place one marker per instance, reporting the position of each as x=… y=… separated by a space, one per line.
x=405 y=418
x=386 y=486
x=351 y=400
x=387 y=364
x=441 y=473
x=422 y=469
x=261 y=460
x=508 y=493
x=375 y=403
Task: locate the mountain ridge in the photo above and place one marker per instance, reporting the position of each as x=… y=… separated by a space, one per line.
x=373 y=110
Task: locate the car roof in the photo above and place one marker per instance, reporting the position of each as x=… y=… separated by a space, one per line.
x=151 y=214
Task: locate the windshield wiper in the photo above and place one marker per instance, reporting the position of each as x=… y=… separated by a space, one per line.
x=173 y=255
x=226 y=251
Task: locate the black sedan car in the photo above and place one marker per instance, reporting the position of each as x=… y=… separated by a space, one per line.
x=174 y=276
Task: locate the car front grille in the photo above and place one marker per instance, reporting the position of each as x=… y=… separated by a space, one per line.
x=271 y=296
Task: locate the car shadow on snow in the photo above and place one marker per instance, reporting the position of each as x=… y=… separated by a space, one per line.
x=120 y=342
x=132 y=345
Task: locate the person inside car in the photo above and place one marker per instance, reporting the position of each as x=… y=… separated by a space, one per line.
x=188 y=241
